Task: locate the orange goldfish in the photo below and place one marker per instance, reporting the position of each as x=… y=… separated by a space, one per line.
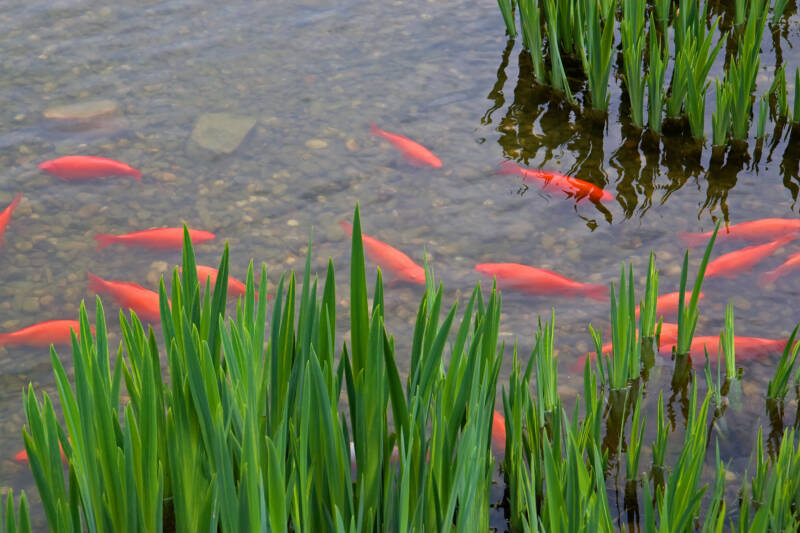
x=5 y=216
x=129 y=296
x=22 y=456
x=667 y=304
x=498 y=431
x=392 y=260
x=669 y=334
x=573 y=187
x=792 y=263
x=764 y=229
x=81 y=167
x=236 y=288
x=157 y=238
x=730 y=264
x=42 y=334
x=414 y=153
x=540 y=281
x=747 y=348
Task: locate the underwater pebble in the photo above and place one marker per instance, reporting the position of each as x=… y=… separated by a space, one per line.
x=316 y=144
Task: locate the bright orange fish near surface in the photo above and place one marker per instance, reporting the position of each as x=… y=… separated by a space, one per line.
x=42 y=334
x=129 y=296
x=730 y=264
x=83 y=167
x=236 y=288
x=792 y=263
x=392 y=260
x=764 y=229
x=573 y=187
x=498 y=431
x=156 y=238
x=415 y=153
x=5 y=216
x=747 y=348
x=540 y=281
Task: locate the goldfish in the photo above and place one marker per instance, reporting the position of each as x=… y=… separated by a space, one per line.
x=498 y=431
x=392 y=260
x=667 y=304
x=22 y=456
x=157 y=238
x=747 y=348
x=414 y=153
x=5 y=216
x=573 y=187
x=129 y=296
x=540 y=281
x=82 y=167
x=792 y=263
x=42 y=334
x=764 y=229
x=236 y=288
x=669 y=334
x=730 y=264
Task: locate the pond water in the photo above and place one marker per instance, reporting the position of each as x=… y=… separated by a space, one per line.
x=301 y=82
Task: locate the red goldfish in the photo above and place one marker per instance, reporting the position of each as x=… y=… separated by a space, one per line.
x=498 y=431
x=157 y=238
x=573 y=187
x=668 y=303
x=669 y=334
x=5 y=216
x=129 y=296
x=747 y=348
x=792 y=263
x=22 y=456
x=540 y=281
x=42 y=334
x=236 y=288
x=81 y=167
x=392 y=260
x=415 y=153
x=755 y=230
x=730 y=264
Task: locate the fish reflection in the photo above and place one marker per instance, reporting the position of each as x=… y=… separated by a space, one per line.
x=573 y=187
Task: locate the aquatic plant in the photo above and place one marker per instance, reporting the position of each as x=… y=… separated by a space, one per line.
x=632 y=30
x=742 y=71
x=598 y=52
x=721 y=117
x=778 y=386
x=659 y=57
x=763 y=112
x=530 y=21
x=507 y=10
x=16 y=522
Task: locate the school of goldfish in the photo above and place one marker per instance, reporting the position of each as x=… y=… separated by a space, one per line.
x=766 y=235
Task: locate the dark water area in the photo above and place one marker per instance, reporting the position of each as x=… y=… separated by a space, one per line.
x=294 y=86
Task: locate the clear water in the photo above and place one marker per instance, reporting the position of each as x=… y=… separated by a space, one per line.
x=314 y=73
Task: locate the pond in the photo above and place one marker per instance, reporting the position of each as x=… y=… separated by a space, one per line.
x=252 y=121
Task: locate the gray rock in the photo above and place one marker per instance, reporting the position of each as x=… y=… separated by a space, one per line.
x=221 y=133
x=81 y=115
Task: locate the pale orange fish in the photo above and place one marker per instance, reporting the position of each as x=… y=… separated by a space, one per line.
x=129 y=296
x=236 y=288
x=390 y=259
x=667 y=304
x=747 y=348
x=540 y=281
x=498 y=431
x=764 y=229
x=156 y=238
x=42 y=334
x=729 y=265
x=573 y=187
x=792 y=263
x=5 y=216
x=414 y=152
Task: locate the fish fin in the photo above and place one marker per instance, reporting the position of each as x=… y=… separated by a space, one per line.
x=15 y=202
x=104 y=239
x=692 y=239
x=768 y=277
x=346 y=226
x=595 y=291
x=96 y=283
x=506 y=168
x=375 y=130
x=136 y=174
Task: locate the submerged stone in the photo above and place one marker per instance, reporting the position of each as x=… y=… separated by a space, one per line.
x=81 y=115
x=221 y=133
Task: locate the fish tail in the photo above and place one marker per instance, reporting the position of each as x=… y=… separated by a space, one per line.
x=104 y=239
x=136 y=174
x=692 y=239
x=15 y=202
x=595 y=291
x=21 y=456
x=768 y=277
x=346 y=226
x=5 y=338
x=375 y=130
x=507 y=167
x=580 y=362
x=96 y=283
